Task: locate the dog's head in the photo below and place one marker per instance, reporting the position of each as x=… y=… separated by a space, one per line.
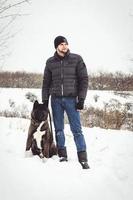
x=39 y=112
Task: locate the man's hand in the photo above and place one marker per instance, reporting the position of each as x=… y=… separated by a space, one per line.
x=80 y=104
x=45 y=103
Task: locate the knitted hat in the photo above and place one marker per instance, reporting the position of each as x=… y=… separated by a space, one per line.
x=58 y=40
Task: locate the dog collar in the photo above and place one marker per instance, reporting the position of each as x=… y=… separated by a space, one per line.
x=36 y=123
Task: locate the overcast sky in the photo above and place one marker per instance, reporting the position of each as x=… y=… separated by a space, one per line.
x=101 y=31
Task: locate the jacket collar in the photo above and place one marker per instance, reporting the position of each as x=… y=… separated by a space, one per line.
x=59 y=57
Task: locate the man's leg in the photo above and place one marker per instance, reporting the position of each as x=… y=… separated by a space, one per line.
x=75 y=125
x=58 y=118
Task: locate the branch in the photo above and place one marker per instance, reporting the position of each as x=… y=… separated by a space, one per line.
x=9 y=11
x=14 y=15
x=12 y=5
x=7 y=25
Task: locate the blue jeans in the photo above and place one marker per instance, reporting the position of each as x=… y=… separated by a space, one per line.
x=59 y=105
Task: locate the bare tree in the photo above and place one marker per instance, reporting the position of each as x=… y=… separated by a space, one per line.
x=10 y=10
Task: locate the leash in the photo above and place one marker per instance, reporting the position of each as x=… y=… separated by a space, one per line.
x=50 y=121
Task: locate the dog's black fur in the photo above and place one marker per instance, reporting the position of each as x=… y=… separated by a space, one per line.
x=48 y=148
x=39 y=112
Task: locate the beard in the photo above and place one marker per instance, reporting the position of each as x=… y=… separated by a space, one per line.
x=64 y=52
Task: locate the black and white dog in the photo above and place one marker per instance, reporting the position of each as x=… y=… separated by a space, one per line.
x=40 y=135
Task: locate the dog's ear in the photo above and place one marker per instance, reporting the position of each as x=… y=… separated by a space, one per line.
x=35 y=104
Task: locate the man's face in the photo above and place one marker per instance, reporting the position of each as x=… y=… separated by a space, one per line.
x=63 y=47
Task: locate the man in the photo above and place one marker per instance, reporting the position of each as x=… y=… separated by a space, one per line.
x=66 y=80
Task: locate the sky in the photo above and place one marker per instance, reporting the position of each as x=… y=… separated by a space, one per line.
x=110 y=157
x=101 y=31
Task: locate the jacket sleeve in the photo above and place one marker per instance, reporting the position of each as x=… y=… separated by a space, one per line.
x=82 y=77
x=46 y=85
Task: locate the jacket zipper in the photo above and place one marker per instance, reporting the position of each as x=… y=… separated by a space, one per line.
x=61 y=78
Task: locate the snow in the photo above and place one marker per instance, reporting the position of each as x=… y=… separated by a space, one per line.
x=110 y=156
x=14 y=99
x=104 y=97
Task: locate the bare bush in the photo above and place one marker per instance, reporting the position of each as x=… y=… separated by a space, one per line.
x=32 y=97
x=20 y=80
x=109 y=81
x=107 y=119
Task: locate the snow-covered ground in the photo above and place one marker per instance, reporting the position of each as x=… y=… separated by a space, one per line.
x=16 y=100
x=110 y=156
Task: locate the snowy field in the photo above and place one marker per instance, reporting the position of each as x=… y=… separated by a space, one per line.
x=17 y=100
x=110 y=156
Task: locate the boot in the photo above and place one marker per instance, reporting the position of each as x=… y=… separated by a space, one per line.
x=82 y=157
x=62 y=154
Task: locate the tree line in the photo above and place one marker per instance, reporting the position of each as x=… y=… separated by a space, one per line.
x=20 y=80
x=100 y=81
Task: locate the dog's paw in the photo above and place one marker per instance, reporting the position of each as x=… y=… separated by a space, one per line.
x=54 y=157
x=41 y=155
x=44 y=159
x=28 y=154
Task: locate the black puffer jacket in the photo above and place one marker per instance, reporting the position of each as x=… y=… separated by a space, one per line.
x=65 y=77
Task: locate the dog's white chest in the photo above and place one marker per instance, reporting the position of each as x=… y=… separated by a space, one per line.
x=38 y=135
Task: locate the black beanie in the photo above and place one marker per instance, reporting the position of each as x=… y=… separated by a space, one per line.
x=58 y=40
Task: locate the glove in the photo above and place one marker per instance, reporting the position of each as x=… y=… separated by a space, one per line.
x=80 y=104
x=45 y=103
